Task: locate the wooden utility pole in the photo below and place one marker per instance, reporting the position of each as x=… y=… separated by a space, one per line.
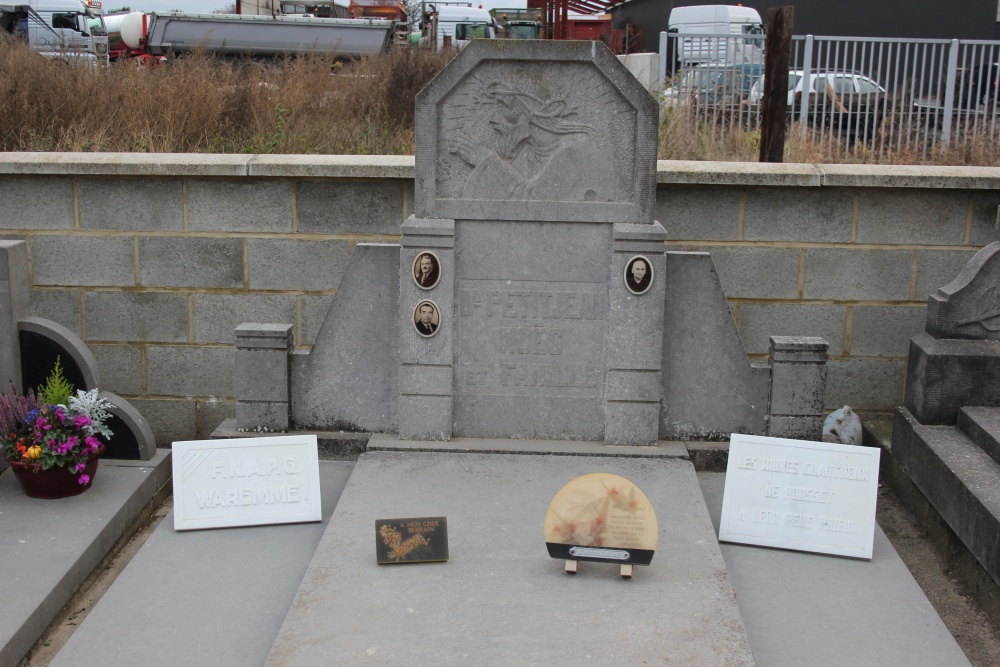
x=774 y=111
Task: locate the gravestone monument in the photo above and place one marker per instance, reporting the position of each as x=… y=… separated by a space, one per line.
x=531 y=295
x=946 y=436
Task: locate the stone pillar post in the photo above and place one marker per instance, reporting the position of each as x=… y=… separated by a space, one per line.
x=426 y=374
x=798 y=387
x=635 y=338
x=262 y=387
x=13 y=307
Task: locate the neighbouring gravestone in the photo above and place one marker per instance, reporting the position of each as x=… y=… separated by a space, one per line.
x=13 y=307
x=806 y=496
x=946 y=435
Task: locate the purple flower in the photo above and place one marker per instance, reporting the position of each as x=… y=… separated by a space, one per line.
x=93 y=444
x=84 y=479
x=80 y=467
x=72 y=442
x=42 y=424
x=80 y=421
x=61 y=414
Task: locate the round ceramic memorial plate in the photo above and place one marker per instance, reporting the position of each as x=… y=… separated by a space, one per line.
x=601 y=517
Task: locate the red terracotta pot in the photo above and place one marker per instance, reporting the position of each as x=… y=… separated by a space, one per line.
x=55 y=482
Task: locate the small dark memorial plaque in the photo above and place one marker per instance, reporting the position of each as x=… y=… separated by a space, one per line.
x=418 y=540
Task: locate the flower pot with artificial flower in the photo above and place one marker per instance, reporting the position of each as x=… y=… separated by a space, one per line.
x=50 y=440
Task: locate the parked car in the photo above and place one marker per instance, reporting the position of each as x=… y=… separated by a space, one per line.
x=846 y=102
x=713 y=85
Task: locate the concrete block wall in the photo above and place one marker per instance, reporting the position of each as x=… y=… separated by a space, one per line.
x=845 y=252
x=155 y=259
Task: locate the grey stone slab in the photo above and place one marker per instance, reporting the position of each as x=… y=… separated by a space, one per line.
x=825 y=611
x=318 y=265
x=349 y=207
x=62 y=306
x=425 y=379
x=478 y=137
x=984 y=217
x=793 y=214
x=864 y=384
x=739 y=173
x=945 y=375
x=922 y=217
x=131 y=204
x=504 y=604
x=423 y=417
x=170 y=419
x=125 y=164
x=389 y=442
x=36 y=203
x=709 y=387
x=57 y=543
x=181 y=370
x=13 y=307
x=190 y=262
x=885 y=331
x=863 y=275
x=350 y=379
x=136 y=317
x=689 y=215
x=982 y=426
x=215 y=316
x=312 y=309
x=938 y=268
x=908 y=176
x=760 y=321
x=75 y=261
x=958 y=478
x=265 y=206
x=967 y=307
x=210 y=414
x=756 y=273
x=203 y=597
x=531 y=329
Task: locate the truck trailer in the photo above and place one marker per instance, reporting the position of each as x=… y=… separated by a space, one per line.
x=266 y=36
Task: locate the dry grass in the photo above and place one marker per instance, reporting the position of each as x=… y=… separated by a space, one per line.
x=202 y=104
x=689 y=136
x=313 y=104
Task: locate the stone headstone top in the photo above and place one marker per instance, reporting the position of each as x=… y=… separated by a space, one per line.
x=533 y=130
x=969 y=306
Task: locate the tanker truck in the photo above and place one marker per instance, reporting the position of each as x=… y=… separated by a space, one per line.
x=127 y=37
x=265 y=36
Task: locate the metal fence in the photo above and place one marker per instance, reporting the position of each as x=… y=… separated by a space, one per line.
x=884 y=96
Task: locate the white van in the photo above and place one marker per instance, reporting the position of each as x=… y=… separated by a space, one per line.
x=461 y=24
x=717 y=20
x=62 y=28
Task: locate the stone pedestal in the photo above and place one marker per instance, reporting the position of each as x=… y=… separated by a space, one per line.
x=425 y=359
x=262 y=376
x=634 y=339
x=798 y=387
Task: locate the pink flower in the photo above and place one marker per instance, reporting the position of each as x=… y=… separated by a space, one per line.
x=42 y=424
x=80 y=421
x=61 y=414
x=80 y=467
x=84 y=479
x=93 y=444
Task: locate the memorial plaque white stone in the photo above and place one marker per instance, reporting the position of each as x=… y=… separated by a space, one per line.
x=796 y=494
x=245 y=482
